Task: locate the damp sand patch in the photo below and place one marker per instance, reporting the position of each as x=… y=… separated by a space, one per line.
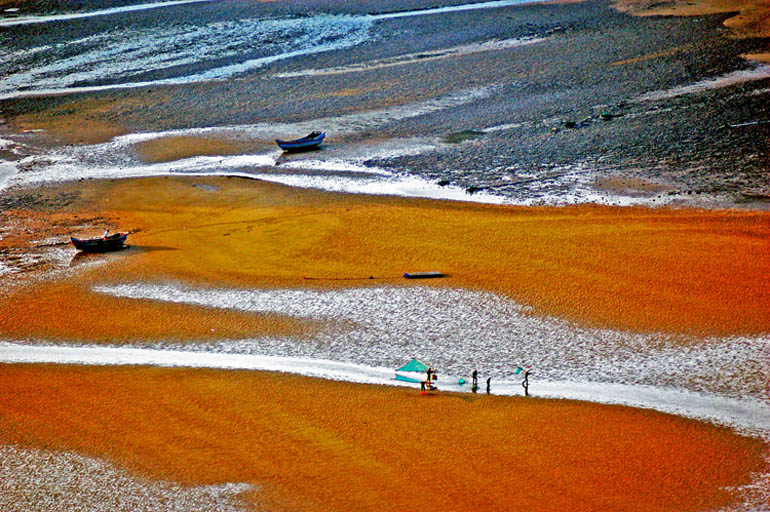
x=748 y=22
x=84 y=120
x=169 y=149
x=629 y=186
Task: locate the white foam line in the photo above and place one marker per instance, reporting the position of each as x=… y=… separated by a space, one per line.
x=215 y=74
x=332 y=125
x=7 y=170
x=73 y=90
x=749 y=415
x=412 y=58
x=97 y=355
x=379 y=182
x=360 y=180
x=404 y=186
x=27 y=20
x=228 y=71
x=123 y=53
x=730 y=79
x=196 y=166
x=334 y=165
x=453 y=8
x=372 y=181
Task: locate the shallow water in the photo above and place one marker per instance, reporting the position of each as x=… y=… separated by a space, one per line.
x=123 y=57
x=175 y=43
x=48 y=18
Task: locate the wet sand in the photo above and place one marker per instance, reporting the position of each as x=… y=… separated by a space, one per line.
x=700 y=149
x=699 y=272
x=309 y=445
x=749 y=18
x=306 y=444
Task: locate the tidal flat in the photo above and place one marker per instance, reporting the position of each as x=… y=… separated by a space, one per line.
x=590 y=179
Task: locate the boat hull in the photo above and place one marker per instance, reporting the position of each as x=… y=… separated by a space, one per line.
x=307 y=143
x=103 y=244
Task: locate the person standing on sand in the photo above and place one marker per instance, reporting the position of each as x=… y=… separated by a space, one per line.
x=525 y=382
x=489 y=379
x=475 y=380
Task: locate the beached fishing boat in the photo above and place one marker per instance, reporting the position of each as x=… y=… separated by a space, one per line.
x=308 y=142
x=100 y=244
x=423 y=275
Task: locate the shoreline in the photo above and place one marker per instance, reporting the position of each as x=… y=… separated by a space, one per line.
x=747 y=416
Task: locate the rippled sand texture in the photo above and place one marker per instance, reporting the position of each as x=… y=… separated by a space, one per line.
x=681 y=271
x=32 y=479
x=319 y=445
x=319 y=263
x=227 y=359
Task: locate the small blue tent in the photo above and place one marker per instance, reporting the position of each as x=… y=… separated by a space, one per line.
x=413 y=371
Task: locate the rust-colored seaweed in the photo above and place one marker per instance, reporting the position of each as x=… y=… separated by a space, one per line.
x=321 y=445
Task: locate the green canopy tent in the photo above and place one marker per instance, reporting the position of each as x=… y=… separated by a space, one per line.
x=413 y=371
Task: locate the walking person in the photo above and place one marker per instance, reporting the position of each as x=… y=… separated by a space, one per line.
x=475 y=381
x=489 y=379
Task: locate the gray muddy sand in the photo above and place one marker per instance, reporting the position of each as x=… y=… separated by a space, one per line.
x=548 y=103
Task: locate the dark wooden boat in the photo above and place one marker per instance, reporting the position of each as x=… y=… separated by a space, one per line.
x=307 y=143
x=423 y=275
x=100 y=244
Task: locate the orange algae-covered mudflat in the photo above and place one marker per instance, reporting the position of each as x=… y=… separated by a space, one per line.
x=314 y=445
x=690 y=271
x=318 y=445
x=696 y=272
